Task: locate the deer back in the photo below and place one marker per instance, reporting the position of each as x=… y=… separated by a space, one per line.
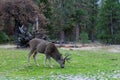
x=35 y=43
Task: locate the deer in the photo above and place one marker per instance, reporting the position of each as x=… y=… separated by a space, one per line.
x=49 y=49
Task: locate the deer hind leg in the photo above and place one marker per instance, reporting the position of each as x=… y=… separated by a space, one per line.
x=29 y=55
x=34 y=57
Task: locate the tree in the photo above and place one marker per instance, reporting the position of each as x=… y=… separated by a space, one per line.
x=44 y=5
x=73 y=17
x=60 y=19
x=92 y=11
x=21 y=12
x=85 y=17
x=109 y=22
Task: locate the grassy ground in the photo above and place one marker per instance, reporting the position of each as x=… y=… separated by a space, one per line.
x=91 y=64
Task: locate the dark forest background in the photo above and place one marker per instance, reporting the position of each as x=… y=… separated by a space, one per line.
x=63 y=20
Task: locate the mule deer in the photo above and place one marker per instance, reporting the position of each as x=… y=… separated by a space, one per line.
x=47 y=48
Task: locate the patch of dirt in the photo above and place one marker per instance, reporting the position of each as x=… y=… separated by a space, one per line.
x=110 y=48
x=7 y=46
x=114 y=48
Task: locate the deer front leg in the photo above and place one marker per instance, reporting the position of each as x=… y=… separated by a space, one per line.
x=34 y=56
x=50 y=63
x=48 y=57
x=47 y=51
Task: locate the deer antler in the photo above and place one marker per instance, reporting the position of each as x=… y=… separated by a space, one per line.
x=67 y=57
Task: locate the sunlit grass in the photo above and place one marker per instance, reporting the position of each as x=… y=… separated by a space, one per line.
x=13 y=63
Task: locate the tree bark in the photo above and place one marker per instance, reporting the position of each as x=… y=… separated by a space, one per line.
x=77 y=32
x=111 y=28
x=92 y=35
x=62 y=37
x=16 y=30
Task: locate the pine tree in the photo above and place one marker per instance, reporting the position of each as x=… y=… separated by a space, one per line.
x=60 y=19
x=109 y=26
x=73 y=17
x=92 y=11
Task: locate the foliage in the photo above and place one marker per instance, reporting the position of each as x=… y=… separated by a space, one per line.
x=89 y=63
x=44 y=7
x=84 y=37
x=117 y=37
x=21 y=12
x=67 y=18
x=108 y=24
x=92 y=11
x=78 y=16
x=67 y=14
x=3 y=37
x=61 y=11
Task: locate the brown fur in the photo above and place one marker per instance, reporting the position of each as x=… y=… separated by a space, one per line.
x=47 y=48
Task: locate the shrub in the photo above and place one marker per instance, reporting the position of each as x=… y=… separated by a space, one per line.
x=84 y=37
x=117 y=37
x=3 y=37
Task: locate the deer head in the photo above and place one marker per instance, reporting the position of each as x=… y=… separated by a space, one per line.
x=62 y=60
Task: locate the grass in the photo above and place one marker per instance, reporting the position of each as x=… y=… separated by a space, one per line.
x=13 y=65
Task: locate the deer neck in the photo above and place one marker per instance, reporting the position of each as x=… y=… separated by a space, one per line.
x=57 y=56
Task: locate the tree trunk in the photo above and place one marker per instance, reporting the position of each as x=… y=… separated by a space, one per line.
x=111 y=28
x=77 y=32
x=37 y=24
x=16 y=30
x=17 y=25
x=62 y=37
x=92 y=35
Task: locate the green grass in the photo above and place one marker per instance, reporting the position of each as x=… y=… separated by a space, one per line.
x=13 y=64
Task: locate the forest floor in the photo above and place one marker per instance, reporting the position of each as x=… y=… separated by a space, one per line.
x=94 y=47
x=110 y=48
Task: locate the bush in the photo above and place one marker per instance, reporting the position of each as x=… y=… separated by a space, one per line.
x=109 y=39
x=117 y=38
x=84 y=37
x=3 y=37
